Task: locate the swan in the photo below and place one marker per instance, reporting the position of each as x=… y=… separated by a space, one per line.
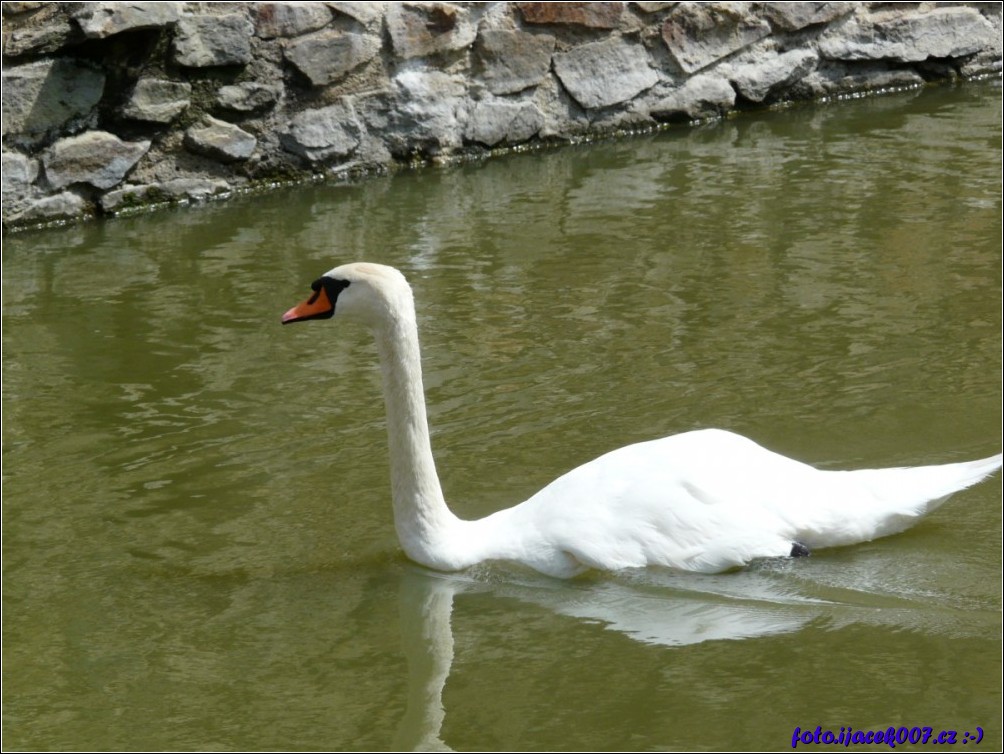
x=707 y=500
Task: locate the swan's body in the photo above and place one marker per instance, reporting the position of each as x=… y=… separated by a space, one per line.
x=707 y=500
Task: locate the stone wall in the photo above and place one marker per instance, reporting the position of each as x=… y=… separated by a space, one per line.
x=112 y=106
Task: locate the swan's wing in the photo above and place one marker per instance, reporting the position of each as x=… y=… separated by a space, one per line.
x=706 y=501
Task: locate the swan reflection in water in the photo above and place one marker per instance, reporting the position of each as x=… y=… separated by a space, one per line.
x=656 y=608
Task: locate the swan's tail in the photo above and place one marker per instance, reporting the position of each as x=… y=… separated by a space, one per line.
x=887 y=501
x=920 y=489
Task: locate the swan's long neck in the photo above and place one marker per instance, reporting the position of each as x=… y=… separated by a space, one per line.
x=420 y=512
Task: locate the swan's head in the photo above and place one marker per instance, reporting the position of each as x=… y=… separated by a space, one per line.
x=371 y=293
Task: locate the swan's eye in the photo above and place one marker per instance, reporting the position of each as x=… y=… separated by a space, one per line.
x=330 y=285
x=321 y=305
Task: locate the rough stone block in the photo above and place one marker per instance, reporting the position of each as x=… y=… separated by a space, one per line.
x=157 y=100
x=326 y=56
x=289 y=19
x=425 y=109
x=795 y=16
x=100 y=20
x=18 y=173
x=368 y=14
x=591 y=15
x=835 y=78
x=701 y=96
x=175 y=190
x=493 y=122
x=98 y=158
x=48 y=94
x=61 y=206
x=220 y=140
x=511 y=61
x=323 y=133
x=48 y=29
x=248 y=96
x=205 y=41
x=605 y=73
x=652 y=7
x=698 y=34
x=756 y=80
x=17 y=7
x=418 y=30
x=948 y=32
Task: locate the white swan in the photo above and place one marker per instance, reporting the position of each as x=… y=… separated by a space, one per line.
x=706 y=500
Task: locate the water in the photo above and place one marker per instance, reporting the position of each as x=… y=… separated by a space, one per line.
x=198 y=546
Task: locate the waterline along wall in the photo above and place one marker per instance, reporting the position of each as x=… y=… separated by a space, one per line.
x=108 y=107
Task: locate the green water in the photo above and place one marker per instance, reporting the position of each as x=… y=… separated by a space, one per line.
x=198 y=545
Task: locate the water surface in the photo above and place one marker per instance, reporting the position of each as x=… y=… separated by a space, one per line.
x=198 y=546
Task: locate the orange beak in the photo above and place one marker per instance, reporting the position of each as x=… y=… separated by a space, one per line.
x=318 y=306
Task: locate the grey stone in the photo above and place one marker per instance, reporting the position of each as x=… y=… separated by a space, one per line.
x=157 y=100
x=289 y=19
x=48 y=29
x=127 y=197
x=16 y=8
x=592 y=15
x=947 y=32
x=698 y=34
x=13 y=206
x=426 y=108
x=417 y=30
x=220 y=140
x=836 y=79
x=18 y=173
x=248 y=96
x=605 y=73
x=175 y=190
x=755 y=81
x=513 y=60
x=205 y=41
x=326 y=56
x=193 y=188
x=795 y=16
x=96 y=157
x=48 y=94
x=982 y=63
x=323 y=133
x=65 y=205
x=493 y=122
x=652 y=7
x=100 y=20
x=701 y=96
x=368 y=14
